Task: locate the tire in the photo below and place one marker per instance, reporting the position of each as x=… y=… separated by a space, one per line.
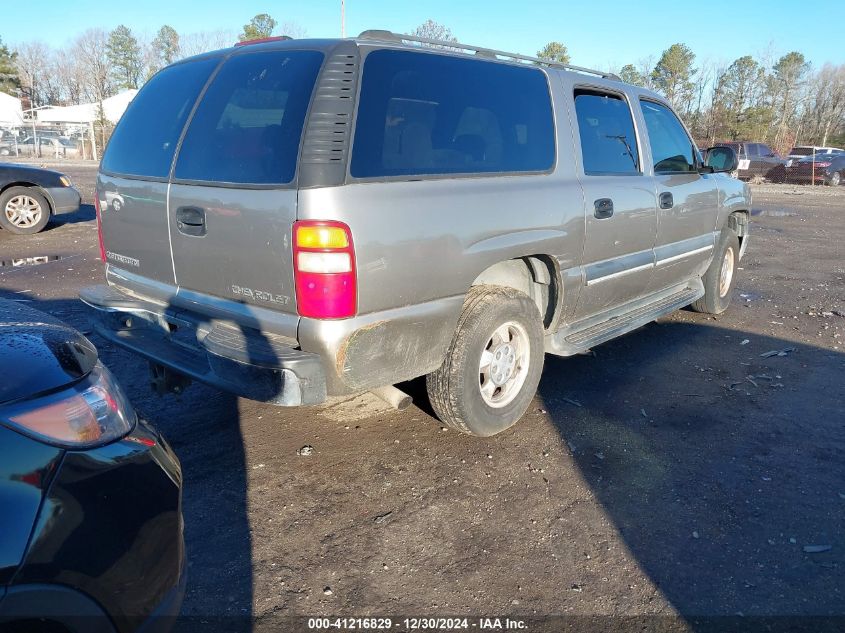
x=486 y=399
x=23 y=210
x=720 y=277
x=834 y=180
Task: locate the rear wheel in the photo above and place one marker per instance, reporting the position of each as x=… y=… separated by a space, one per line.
x=23 y=210
x=834 y=180
x=493 y=365
x=720 y=276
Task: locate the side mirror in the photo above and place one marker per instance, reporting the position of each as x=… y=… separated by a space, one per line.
x=722 y=159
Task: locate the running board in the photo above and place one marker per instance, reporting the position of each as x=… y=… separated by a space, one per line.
x=580 y=337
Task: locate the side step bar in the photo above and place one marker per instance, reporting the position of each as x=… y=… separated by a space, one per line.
x=579 y=337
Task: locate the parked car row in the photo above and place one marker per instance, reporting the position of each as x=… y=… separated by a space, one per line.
x=804 y=164
x=827 y=169
x=45 y=147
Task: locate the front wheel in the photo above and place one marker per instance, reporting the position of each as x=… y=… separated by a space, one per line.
x=23 y=210
x=834 y=180
x=493 y=364
x=720 y=276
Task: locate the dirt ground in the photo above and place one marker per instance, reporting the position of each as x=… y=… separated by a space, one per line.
x=678 y=474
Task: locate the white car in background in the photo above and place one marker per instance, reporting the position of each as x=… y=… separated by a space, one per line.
x=800 y=151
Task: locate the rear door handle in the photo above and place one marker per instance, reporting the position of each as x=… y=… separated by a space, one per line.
x=191 y=221
x=603 y=208
x=666 y=200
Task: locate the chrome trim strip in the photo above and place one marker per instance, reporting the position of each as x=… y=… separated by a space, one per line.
x=675 y=258
x=620 y=273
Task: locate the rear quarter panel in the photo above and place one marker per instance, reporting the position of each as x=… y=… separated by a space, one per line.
x=26 y=467
x=419 y=245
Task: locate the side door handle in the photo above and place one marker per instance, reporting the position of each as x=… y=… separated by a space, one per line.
x=603 y=208
x=666 y=200
x=191 y=221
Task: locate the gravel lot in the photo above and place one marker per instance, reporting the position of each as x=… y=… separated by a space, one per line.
x=680 y=471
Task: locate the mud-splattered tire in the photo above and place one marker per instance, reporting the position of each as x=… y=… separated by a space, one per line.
x=720 y=277
x=493 y=364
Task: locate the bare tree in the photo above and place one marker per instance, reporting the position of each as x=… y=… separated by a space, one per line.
x=432 y=30
x=204 y=41
x=827 y=103
x=31 y=62
x=70 y=76
x=293 y=30
x=91 y=51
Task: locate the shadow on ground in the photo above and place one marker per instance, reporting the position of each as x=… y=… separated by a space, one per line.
x=85 y=213
x=722 y=480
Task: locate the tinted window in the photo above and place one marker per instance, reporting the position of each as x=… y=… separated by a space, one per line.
x=608 y=141
x=248 y=126
x=145 y=139
x=421 y=113
x=671 y=147
x=753 y=149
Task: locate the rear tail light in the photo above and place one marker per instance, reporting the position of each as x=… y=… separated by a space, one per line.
x=99 y=226
x=92 y=412
x=823 y=164
x=324 y=269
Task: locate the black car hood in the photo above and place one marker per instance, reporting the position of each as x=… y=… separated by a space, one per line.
x=10 y=172
x=39 y=353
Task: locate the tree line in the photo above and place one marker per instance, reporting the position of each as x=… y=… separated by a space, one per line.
x=98 y=64
x=780 y=101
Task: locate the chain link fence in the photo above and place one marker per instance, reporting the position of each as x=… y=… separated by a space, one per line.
x=71 y=141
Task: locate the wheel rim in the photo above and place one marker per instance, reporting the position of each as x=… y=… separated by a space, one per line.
x=504 y=362
x=727 y=274
x=23 y=211
x=834 y=179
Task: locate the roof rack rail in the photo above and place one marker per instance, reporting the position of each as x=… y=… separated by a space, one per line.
x=480 y=51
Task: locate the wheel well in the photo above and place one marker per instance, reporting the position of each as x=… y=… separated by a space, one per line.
x=535 y=275
x=31 y=185
x=738 y=221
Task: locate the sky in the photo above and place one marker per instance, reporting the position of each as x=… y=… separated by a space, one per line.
x=604 y=34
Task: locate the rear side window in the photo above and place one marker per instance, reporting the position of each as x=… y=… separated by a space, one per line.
x=247 y=128
x=144 y=141
x=671 y=147
x=608 y=140
x=428 y=114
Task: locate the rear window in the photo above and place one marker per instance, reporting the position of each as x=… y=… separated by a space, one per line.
x=428 y=114
x=247 y=128
x=145 y=139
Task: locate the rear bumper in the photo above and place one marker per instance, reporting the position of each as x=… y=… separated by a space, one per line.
x=260 y=366
x=64 y=199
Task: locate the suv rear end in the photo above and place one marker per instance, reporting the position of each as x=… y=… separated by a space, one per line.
x=196 y=218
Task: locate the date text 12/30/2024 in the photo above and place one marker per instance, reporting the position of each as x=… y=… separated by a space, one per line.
x=417 y=624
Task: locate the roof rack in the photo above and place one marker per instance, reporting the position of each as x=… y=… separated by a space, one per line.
x=480 y=51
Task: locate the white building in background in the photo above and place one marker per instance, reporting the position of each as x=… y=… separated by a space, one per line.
x=113 y=108
x=11 y=113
